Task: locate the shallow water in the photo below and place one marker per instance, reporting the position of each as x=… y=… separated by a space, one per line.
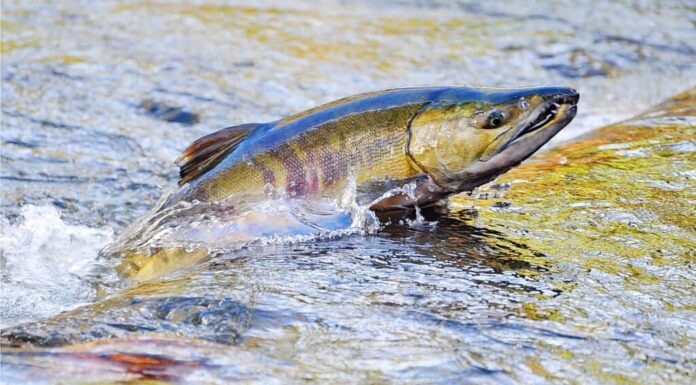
x=575 y=268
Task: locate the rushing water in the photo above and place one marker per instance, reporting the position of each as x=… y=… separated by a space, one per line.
x=576 y=268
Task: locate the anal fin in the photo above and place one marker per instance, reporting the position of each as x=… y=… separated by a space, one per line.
x=206 y=152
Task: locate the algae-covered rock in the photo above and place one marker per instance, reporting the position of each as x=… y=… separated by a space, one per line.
x=618 y=198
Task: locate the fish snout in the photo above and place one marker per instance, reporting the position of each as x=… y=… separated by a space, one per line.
x=571 y=96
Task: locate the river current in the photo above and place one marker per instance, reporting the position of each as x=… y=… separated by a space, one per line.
x=576 y=268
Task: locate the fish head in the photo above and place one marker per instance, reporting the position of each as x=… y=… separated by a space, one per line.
x=467 y=137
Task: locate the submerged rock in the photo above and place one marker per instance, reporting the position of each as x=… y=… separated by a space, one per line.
x=169 y=113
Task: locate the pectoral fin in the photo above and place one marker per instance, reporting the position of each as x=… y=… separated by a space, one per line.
x=206 y=152
x=424 y=193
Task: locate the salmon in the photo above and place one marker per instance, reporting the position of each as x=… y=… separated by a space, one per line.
x=441 y=140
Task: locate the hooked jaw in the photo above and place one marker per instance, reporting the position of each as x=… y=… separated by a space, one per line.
x=541 y=124
x=563 y=106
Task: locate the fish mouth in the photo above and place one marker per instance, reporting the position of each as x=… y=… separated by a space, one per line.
x=561 y=108
x=556 y=112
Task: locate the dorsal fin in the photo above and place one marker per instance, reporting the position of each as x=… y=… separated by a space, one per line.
x=206 y=152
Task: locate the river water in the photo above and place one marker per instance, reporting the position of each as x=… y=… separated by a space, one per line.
x=576 y=268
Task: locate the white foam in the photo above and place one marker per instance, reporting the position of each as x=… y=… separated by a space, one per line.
x=47 y=264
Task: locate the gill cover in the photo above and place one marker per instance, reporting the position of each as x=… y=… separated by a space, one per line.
x=433 y=143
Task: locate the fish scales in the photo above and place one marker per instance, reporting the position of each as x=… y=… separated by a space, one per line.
x=365 y=146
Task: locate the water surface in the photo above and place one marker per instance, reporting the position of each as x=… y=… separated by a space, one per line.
x=575 y=268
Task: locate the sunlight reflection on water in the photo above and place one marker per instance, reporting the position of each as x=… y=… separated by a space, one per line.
x=585 y=276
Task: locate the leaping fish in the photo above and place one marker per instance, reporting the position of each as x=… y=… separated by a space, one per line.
x=445 y=140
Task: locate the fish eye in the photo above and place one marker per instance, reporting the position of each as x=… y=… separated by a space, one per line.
x=495 y=119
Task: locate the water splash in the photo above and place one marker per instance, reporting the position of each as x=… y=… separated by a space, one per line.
x=47 y=265
x=242 y=220
x=408 y=190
